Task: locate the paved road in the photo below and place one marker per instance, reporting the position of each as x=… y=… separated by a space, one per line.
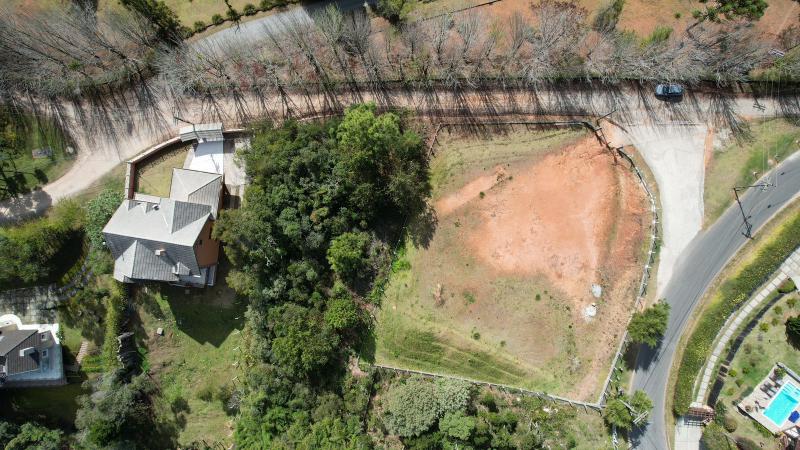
x=704 y=258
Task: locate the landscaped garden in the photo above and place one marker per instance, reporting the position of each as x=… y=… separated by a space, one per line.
x=764 y=346
x=500 y=290
x=154 y=177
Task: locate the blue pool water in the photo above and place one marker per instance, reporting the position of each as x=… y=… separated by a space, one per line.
x=783 y=404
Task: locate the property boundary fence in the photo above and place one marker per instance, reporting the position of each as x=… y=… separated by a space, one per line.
x=505 y=387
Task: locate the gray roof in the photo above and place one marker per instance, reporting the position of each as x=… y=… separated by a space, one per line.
x=153 y=238
x=16 y=362
x=196 y=187
x=10 y=339
x=167 y=221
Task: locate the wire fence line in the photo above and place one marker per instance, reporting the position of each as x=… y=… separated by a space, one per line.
x=646 y=271
x=555 y=398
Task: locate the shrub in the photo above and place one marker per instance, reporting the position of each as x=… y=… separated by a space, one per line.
x=744 y=443
x=793 y=330
x=714 y=438
x=763 y=326
x=787 y=286
x=730 y=424
x=732 y=373
x=206 y=392
x=199 y=26
x=265 y=4
x=778 y=310
x=791 y=302
x=249 y=9
x=608 y=16
x=232 y=14
x=488 y=400
x=779 y=372
x=217 y=19
x=659 y=35
x=732 y=295
x=98 y=211
x=113 y=323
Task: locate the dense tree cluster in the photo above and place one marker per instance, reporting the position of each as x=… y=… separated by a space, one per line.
x=626 y=411
x=36 y=250
x=29 y=435
x=311 y=236
x=119 y=413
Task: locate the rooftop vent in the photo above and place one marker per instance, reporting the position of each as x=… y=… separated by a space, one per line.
x=160 y=252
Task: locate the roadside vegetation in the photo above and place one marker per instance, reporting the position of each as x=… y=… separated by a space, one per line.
x=41 y=250
x=767 y=251
x=20 y=136
x=744 y=161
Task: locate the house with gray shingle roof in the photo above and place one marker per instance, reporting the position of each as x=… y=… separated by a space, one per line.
x=30 y=355
x=168 y=238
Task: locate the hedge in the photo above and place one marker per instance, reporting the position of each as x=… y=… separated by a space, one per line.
x=114 y=310
x=732 y=294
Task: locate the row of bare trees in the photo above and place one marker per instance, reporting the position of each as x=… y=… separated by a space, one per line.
x=62 y=52
x=52 y=54
x=552 y=40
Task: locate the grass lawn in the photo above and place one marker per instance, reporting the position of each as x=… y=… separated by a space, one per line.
x=30 y=173
x=755 y=358
x=188 y=11
x=155 y=177
x=451 y=306
x=772 y=141
x=197 y=357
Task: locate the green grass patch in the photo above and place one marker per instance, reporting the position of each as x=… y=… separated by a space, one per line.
x=732 y=294
x=54 y=406
x=771 y=140
x=155 y=177
x=197 y=360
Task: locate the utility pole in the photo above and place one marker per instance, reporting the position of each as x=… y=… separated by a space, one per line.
x=748 y=227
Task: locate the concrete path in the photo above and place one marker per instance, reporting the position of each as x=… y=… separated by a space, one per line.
x=675 y=156
x=687 y=434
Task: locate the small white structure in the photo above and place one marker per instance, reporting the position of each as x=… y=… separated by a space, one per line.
x=30 y=354
x=202 y=132
x=208 y=157
x=208 y=154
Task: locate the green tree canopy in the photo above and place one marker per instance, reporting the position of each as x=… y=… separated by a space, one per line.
x=30 y=436
x=717 y=10
x=648 y=326
x=163 y=18
x=412 y=407
x=98 y=212
x=622 y=411
x=457 y=425
x=348 y=254
x=793 y=330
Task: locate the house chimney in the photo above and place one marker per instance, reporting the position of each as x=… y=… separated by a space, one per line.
x=160 y=252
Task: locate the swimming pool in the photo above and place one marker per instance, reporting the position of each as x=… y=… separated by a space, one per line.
x=783 y=404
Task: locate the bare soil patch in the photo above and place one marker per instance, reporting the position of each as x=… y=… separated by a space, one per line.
x=527 y=222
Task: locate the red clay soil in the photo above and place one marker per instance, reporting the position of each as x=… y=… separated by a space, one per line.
x=574 y=218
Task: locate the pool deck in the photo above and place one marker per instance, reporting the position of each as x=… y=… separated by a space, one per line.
x=755 y=404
